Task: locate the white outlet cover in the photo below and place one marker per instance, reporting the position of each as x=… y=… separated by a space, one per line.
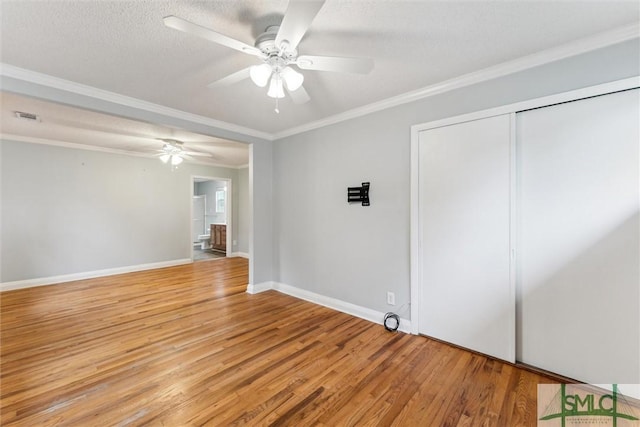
x=391 y=298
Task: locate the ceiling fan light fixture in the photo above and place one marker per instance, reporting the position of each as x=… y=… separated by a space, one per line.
x=260 y=74
x=165 y=158
x=176 y=160
x=275 y=87
x=292 y=79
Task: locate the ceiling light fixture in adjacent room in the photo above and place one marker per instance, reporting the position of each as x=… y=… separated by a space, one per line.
x=172 y=154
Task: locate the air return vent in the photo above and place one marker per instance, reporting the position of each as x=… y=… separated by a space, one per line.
x=27 y=116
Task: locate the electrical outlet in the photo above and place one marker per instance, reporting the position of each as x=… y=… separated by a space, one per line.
x=391 y=298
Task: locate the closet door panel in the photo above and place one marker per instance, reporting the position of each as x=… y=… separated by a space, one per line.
x=466 y=295
x=578 y=269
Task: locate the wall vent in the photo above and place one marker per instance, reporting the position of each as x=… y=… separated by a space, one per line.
x=27 y=116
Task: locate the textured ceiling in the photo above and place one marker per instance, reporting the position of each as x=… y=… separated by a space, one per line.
x=123 y=47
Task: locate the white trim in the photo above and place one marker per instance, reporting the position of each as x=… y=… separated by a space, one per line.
x=339 y=305
x=228 y=216
x=512 y=236
x=77 y=146
x=602 y=89
x=260 y=287
x=520 y=64
x=52 y=280
x=104 y=95
x=239 y=255
x=414 y=226
x=73 y=145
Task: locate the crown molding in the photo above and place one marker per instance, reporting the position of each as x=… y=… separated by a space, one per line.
x=76 y=146
x=11 y=71
x=567 y=50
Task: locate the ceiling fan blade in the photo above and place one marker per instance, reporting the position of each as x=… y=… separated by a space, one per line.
x=334 y=63
x=231 y=79
x=299 y=96
x=195 y=29
x=187 y=157
x=297 y=20
x=197 y=153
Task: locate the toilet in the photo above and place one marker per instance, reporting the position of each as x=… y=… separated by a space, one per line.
x=204 y=241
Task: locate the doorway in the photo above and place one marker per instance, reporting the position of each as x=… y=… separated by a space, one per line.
x=211 y=205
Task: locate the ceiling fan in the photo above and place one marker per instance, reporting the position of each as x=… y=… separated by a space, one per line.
x=173 y=152
x=277 y=50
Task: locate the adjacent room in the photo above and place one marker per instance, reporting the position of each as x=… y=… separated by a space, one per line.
x=319 y=212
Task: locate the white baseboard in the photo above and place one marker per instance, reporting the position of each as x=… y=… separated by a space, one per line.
x=260 y=287
x=239 y=254
x=52 y=280
x=333 y=303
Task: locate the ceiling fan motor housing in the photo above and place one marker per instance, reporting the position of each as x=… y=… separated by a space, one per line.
x=172 y=146
x=276 y=55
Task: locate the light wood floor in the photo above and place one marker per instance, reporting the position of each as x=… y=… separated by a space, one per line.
x=187 y=346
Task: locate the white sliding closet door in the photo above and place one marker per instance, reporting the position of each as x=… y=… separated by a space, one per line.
x=579 y=276
x=466 y=295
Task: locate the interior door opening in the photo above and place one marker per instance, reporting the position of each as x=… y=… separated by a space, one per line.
x=211 y=218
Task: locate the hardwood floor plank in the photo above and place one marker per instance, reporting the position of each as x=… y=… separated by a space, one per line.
x=186 y=345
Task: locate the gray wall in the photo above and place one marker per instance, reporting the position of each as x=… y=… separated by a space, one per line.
x=69 y=211
x=357 y=254
x=241 y=225
x=261 y=238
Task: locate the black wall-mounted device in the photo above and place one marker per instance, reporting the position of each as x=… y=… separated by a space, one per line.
x=359 y=194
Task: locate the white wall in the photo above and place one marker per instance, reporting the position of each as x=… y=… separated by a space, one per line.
x=354 y=253
x=67 y=211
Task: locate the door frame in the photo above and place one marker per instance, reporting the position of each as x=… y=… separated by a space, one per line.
x=415 y=224
x=204 y=197
x=228 y=212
